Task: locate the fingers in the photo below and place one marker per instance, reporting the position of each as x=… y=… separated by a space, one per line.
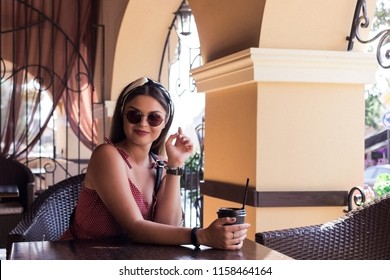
x=182 y=140
x=222 y=234
x=178 y=147
x=237 y=246
x=235 y=234
x=225 y=220
x=171 y=138
x=239 y=236
x=236 y=242
x=229 y=223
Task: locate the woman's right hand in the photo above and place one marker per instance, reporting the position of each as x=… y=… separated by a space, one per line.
x=222 y=234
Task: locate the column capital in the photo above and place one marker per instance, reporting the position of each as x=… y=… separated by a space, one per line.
x=286 y=65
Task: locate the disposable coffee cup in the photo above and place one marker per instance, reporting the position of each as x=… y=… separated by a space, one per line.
x=238 y=213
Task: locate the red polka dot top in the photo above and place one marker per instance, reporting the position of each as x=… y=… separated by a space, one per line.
x=91 y=218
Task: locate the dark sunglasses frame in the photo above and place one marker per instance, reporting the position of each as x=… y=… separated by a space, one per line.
x=135 y=117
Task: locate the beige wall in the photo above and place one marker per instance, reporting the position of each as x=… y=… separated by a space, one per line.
x=229 y=26
x=230 y=142
x=275 y=125
x=310 y=25
x=310 y=136
x=141 y=41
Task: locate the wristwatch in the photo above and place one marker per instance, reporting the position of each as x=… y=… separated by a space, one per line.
x=178 y=171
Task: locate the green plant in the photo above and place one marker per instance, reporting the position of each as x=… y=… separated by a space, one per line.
x=382 y=184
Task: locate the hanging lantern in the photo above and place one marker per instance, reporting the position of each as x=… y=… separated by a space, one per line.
x=183 y=16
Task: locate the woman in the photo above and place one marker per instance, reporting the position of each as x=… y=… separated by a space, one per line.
x=118 y=197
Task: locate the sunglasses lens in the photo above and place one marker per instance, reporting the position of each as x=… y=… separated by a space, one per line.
x=134 y=117
x=154 y=119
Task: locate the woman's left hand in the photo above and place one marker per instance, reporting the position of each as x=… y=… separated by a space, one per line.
x=179 y=147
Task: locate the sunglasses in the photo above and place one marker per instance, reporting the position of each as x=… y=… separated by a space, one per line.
x=135 y=117
x=141 y=82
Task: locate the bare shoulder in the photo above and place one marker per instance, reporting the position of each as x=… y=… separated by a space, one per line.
x=105 y=162
x=106 y=150
x=104 y=155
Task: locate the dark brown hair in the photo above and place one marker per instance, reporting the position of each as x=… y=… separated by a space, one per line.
x=149 y=88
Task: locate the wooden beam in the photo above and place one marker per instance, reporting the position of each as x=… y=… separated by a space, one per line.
x=235 y=193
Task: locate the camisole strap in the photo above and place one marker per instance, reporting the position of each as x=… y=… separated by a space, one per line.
x=156 y=164
x=123 y=154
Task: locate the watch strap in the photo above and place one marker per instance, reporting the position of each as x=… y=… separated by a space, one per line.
x=178 y=171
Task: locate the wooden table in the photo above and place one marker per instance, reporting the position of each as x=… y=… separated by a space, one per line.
x=127 y=250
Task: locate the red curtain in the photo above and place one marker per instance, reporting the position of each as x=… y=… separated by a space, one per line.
x=50 y=43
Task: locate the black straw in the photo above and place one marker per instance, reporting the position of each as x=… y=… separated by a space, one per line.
x=246 y=192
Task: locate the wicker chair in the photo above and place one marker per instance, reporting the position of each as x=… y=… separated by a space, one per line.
x=17 y=194
x=363 y=233
x=48 y=216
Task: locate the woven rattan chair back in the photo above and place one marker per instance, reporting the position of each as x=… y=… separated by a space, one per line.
x=48 y=216
x=363 y=233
